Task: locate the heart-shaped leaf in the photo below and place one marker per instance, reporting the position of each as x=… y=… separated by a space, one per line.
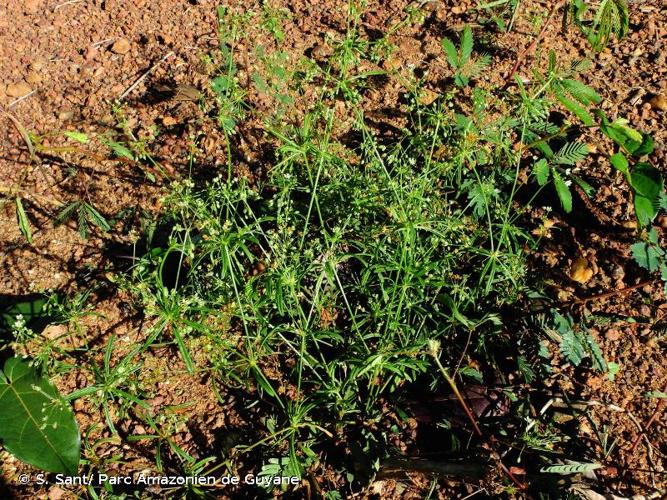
x=36 y=424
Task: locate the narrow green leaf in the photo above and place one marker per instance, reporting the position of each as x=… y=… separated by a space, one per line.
x=466 y=44
x=576 y=109
x=541 y=171
x=571 y=153
x=452 y=53
x=563 y=191
x=36 y=424
x=570 y=468
x=571 y=348
x=24 y=224
x=117 y=148
x=66 y=212
x=77 y=136
x=96 y=217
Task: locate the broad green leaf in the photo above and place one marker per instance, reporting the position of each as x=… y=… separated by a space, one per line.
x=466 y=44
x=452 y=53
x=646 y=180
x=30 y=310
x=37 y=425
x=469 y=371
x=541 y=171
x=563 y=191
x=620 y=162
x=646 y=146
x=22 y=218
x=645 y=209
x=647 y=256
x=78 y=136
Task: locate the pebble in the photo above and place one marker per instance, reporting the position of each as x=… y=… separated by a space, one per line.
x=56 y=493
x=581 y=271
x=427 y=97
x=659 y=102
x=613 y=334
x=18 y=89
x=65 y=115
x=33 y=78
x=38 y=64
x=121 y=46
x=320 y=52
x=90 y=53
x=169 y=121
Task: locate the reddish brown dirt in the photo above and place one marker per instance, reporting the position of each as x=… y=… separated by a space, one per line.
x=75 y=58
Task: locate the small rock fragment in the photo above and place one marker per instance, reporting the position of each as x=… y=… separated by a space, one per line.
x=427 y=97
x=38 y=64
x=56 y=493
x=581 y=271
x=18 y=89
x=33 y=78
x=169 y=121
x=90 y=53
x=65 y=115
x=121 y=46
x=659 y=102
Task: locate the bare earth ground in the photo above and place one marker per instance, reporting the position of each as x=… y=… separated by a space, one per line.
x=67 y=57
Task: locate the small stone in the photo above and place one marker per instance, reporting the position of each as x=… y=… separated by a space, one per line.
x=659 y=102
x=320 y=52
x=613 y=334
x=18 y=89
x=427 y=97
x=90 y=53
x=581 y=271
x=38 y=64
x=121 y=46
x=56 y=493
x=65 y=115
x=33 y=78
x=169 y=121
x=54 y=332
x=392 y=63
x=165 y=39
